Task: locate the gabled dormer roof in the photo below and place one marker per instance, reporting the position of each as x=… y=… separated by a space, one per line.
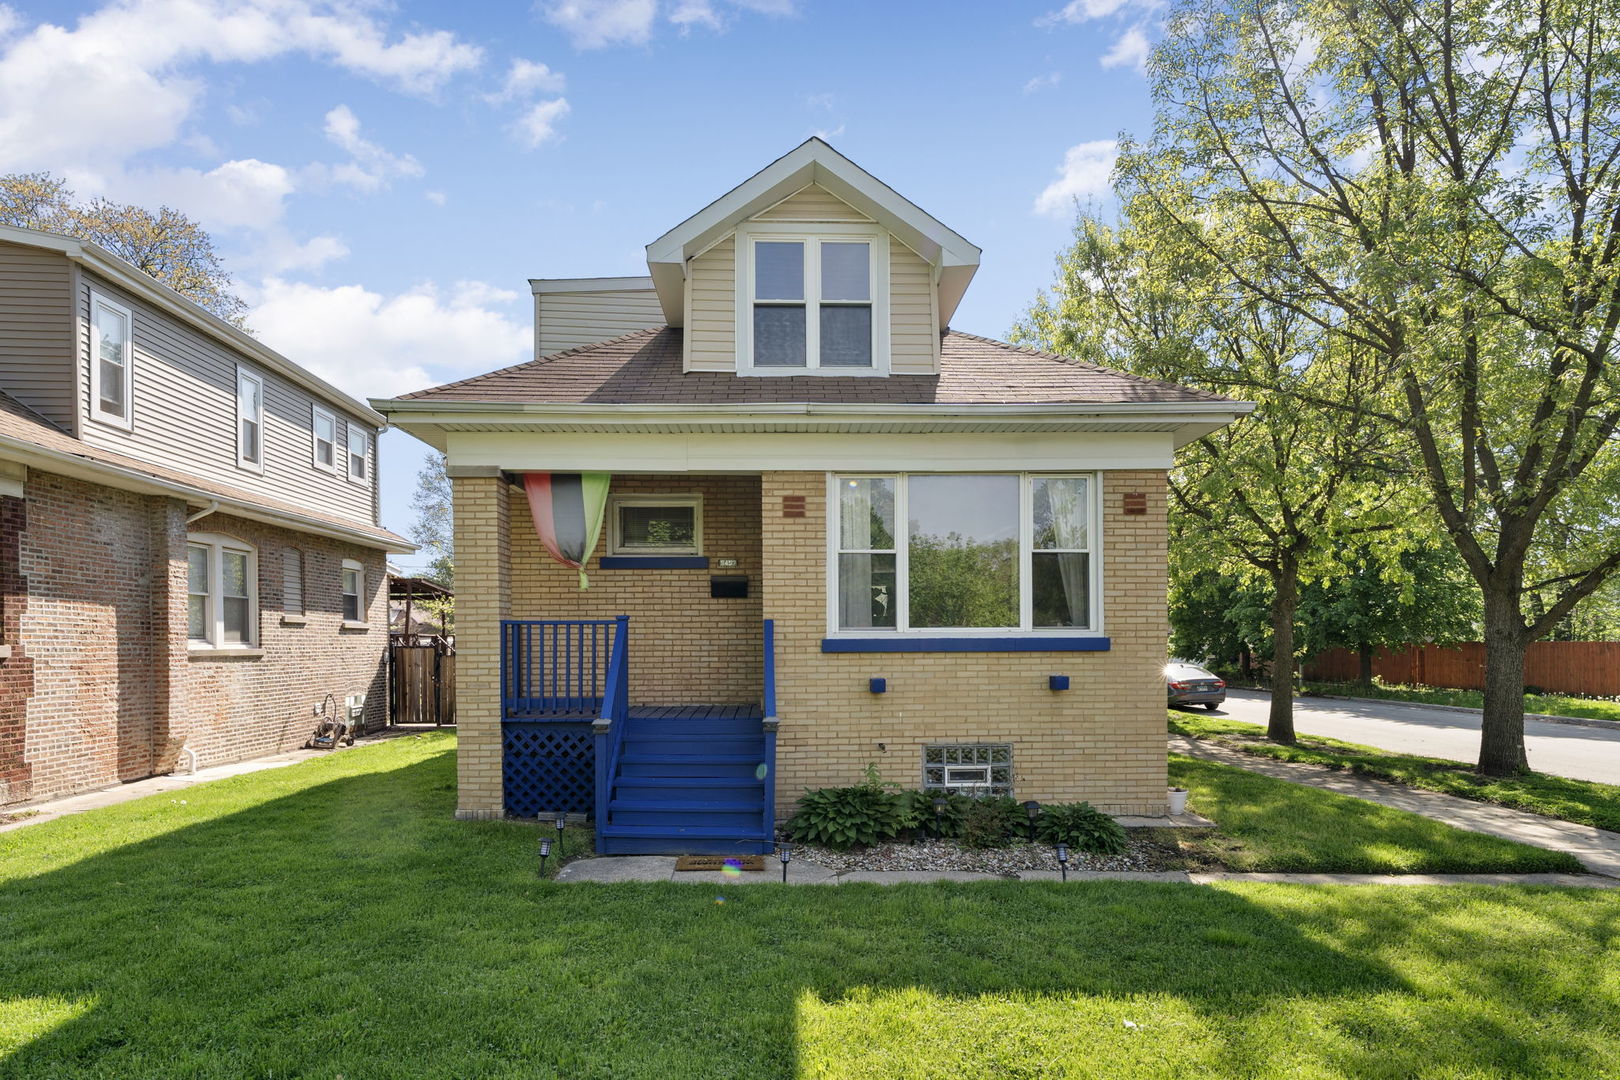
x=813 y=162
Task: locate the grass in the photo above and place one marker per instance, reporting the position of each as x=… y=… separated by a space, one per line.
x=1271 y=825
x=332 y=920
x=1545 y=704
x=1585 y=802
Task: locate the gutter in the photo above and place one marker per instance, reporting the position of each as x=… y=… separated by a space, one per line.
x=595 y=413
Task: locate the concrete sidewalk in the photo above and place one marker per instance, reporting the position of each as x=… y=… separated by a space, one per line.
x=1597 y=849
x=39 y=813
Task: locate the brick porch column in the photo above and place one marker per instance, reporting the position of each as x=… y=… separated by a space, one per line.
x=483 y=599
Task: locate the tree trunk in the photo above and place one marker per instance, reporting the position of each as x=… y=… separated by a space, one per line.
x=1285 y=599
x=1365 y=655
x=1501 y=744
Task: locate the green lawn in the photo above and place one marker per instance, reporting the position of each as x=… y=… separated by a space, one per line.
x=1583 y=801
x=1546 y=704
x=331 y=920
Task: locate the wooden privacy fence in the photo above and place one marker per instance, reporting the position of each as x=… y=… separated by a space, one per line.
x=422 y=684
x=1590 y=668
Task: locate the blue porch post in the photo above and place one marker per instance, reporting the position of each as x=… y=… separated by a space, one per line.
x=769 y=724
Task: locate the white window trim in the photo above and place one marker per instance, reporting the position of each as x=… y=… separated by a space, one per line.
x=217 y=544
x=616 y=545
x=902 y=559
x=750 y=231
x=316 y=415
x=125 y=422
x=243 y=461
x=361 y=606
x=348 y=465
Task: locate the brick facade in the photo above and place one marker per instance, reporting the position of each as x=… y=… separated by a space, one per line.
x=17 y=668
x=1102 y=741
x=96 y=616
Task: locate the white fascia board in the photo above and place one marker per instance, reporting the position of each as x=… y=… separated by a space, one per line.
x=116 y=476
x=643 y=283
x=101 y=261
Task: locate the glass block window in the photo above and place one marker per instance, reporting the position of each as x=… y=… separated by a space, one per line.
x=969 y=768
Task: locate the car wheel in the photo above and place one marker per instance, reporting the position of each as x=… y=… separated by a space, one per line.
x=1212 y=705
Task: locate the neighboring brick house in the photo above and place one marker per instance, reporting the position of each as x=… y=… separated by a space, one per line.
x=190 y=559
x=843 y=534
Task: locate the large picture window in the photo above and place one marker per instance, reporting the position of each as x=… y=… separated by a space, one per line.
x=812 y=304
x=954 y=552
x=221 y=591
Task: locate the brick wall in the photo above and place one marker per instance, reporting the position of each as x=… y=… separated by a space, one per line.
x=483 y=574
x=1102 y=741
x=17 y=669
x=116 y=690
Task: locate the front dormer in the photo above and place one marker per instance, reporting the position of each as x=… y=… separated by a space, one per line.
x=811 y=267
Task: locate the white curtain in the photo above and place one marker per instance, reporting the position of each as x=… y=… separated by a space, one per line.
x=1067 y=497
x=855 y=571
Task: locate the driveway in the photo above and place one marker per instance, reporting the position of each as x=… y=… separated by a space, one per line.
x=1582 y=753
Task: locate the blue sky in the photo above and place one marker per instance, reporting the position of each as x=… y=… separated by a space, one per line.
x=383 y=179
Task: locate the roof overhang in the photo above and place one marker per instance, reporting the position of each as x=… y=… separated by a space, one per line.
x=103 y=262
x=431 y=421
x=590 y=284
x=126 y=479
x=813 y=162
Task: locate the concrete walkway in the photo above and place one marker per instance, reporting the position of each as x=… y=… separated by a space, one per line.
x=614 y=869
x=1597 y=849
x=156 y=785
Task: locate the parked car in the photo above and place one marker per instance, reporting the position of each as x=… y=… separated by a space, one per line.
x=1189 y=684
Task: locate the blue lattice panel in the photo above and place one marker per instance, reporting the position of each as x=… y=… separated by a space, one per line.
x=548 y=766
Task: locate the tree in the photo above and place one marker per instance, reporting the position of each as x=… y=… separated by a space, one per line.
x=167 y=245
x=1276 y=494
x=433 y=529
x=1438 y=182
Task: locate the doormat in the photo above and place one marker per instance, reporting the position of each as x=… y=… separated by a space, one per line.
x=720 y=862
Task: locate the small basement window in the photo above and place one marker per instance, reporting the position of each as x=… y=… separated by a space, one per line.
x=655 y=524
x=968 y=768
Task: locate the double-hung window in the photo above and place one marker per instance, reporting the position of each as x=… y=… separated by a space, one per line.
x=813 y=304
x=323 y=447
x=359 y=453
x=112 y=362
x=221 y=588
x=354 y=591
x=964 y=552
x=249 y=420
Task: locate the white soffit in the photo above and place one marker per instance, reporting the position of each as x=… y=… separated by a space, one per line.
x=813 y=162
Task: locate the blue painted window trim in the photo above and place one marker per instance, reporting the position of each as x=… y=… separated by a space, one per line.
x=907 y=643
x=655 y=562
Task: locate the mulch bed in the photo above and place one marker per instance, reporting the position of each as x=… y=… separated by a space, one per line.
x=1146 y=849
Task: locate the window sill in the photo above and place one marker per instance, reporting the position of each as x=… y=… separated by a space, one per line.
x=655 y=562
x=294 y=620
x=356 y=627
x=203 y=652
x=986 y=643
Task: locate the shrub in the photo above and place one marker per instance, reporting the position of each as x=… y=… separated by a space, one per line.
x=845 y=817
x=917 y=812
x=990 y=821
x=1081 y=826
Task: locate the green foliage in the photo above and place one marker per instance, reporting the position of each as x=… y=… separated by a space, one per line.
x=958 y=582
x=991 y=821
x=168 y=246
x=434 y=527
x=1081 y=826
x=846 y=817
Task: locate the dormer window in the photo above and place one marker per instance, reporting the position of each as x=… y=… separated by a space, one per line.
x=812 y=304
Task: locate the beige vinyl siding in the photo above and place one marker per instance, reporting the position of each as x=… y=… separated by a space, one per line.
x=36 y=331
x=812 y=204
x=185 y=416
x=913 y=334
x=564 y=320
x=711 y=320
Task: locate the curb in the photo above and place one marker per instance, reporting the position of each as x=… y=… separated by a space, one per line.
x=1575 y=721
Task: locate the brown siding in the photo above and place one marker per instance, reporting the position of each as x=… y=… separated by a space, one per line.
x=36 y=331
x=185 y=416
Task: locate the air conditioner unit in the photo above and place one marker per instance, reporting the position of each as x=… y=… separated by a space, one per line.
x=355 y=708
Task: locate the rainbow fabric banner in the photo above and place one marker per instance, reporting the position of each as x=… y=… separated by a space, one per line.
x=567 y=511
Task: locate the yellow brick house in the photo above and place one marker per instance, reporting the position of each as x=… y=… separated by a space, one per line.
x=821 y=531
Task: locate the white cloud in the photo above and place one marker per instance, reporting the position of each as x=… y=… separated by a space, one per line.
x=1078 y=11
x=525 y=78
x=538 y=124
x=690 y=13
x=279 y=253
x=370 y=166
x=828 y=134
x=374 y=345
x=1043 y=82
x=437 y=198
x=1131 y=50
x=1084 y=173
x=247 y=193
x=10 y=21
x=126 y=78
x=591 y=24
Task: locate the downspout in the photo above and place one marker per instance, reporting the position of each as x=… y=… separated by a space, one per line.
x=213 y=505
x=192 y=755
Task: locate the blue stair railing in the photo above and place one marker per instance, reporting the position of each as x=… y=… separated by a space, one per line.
x=769 y=724
x=610 y=723
x=554 y=667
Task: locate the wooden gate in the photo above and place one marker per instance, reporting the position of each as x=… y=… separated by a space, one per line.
x=422 y=672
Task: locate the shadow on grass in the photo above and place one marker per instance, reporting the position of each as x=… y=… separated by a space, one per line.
x=351 y=927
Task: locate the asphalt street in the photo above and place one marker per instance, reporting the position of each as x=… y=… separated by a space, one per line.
x=1583 y=753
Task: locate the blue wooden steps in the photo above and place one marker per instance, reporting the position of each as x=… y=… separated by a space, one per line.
x=690 y=781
